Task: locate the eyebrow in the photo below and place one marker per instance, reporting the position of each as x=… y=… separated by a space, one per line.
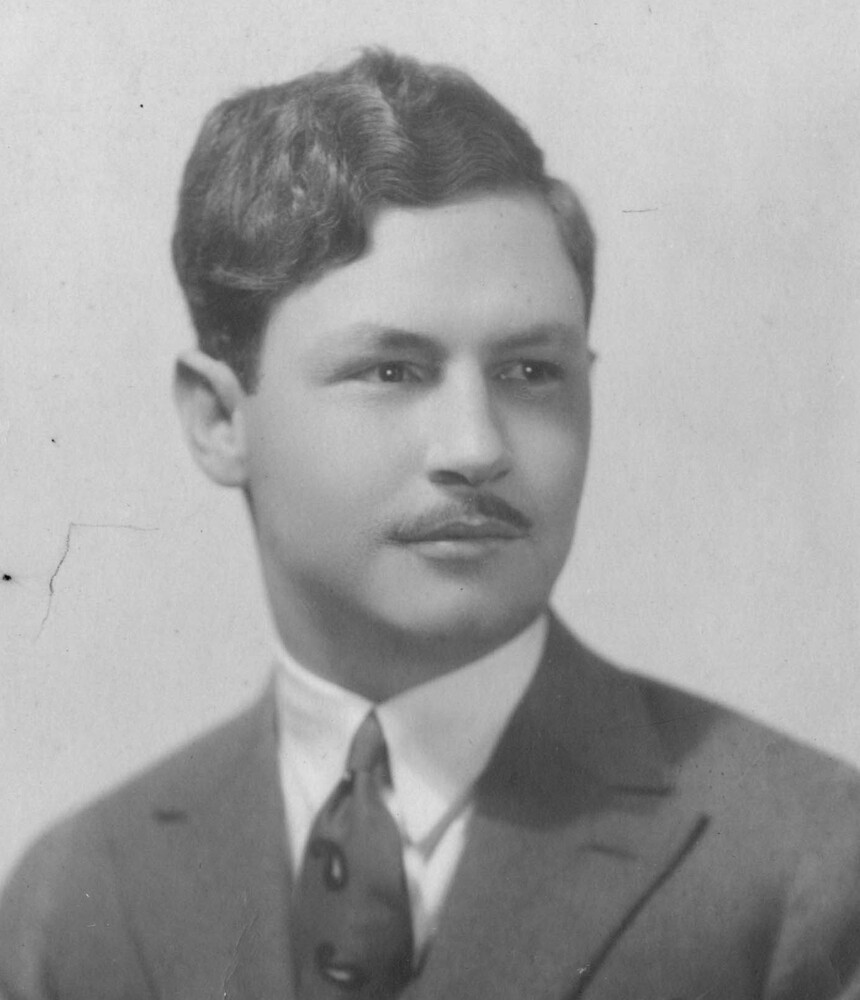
x=370 y=336
x=542 y=334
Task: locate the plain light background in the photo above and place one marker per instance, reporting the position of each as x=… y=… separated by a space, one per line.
x=717 y=146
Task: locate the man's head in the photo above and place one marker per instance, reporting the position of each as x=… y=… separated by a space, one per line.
x=392 y=302
x=284 y=182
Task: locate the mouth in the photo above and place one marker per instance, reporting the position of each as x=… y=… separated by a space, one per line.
x=474 y=528
x=478 y=529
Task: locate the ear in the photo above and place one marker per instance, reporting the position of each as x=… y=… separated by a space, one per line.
x=209 y=398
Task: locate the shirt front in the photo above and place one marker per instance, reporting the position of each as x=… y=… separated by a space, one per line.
x=440 y=736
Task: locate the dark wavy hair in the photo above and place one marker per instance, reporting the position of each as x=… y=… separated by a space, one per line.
x=282 y=180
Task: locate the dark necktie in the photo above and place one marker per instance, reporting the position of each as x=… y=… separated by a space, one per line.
x=351 y=919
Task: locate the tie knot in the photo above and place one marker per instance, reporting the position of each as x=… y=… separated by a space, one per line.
x=368 y=751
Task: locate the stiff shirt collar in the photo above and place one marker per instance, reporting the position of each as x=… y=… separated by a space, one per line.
x=440 y=734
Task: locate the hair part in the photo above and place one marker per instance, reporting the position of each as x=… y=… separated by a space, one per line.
x=282 y=182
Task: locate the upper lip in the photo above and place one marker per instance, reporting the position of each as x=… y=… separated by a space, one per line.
x=475 y=517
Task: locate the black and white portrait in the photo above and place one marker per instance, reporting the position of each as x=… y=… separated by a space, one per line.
x=429 y=460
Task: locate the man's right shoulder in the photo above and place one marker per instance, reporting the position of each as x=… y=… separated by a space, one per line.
x=65 y=897
x=186 y=775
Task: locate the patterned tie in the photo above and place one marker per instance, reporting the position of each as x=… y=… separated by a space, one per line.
x=351 y=919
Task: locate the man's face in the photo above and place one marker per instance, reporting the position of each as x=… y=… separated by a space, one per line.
x=418 y=439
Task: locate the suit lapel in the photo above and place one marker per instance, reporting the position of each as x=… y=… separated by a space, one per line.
x=575 y=827
x=260 y=966
x=218 y=886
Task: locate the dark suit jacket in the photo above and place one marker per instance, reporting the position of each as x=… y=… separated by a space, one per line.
x=629 y=843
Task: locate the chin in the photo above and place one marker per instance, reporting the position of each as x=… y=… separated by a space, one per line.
x=465 y=623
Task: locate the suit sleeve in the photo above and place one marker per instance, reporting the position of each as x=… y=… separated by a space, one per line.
x=63 y=933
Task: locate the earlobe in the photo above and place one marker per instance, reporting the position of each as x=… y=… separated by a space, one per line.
x=209 y=398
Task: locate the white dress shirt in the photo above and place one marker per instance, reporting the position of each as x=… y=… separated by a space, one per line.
x=440 y=736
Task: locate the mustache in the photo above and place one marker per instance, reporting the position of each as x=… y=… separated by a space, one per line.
x=483 y=506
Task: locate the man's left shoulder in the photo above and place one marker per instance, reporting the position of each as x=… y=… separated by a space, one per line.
x=705 y=749
x=733 y=763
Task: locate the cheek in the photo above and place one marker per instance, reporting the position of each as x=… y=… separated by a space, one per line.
x=559 y=483
x=553 y=456
x=324 y=463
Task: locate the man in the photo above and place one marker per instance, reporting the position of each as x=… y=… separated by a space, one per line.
x=442 y=793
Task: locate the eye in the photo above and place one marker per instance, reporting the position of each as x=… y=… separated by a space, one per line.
x=391 y=373
x=534 y=373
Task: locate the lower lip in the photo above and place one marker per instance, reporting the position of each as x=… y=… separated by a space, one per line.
x=460 y=549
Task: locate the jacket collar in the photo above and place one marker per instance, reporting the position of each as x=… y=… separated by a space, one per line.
x=209 y=874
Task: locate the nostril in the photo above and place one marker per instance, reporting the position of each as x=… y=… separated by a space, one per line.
x=472 y=476
x=445 y=477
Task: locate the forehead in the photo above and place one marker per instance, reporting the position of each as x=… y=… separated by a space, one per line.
x=486 y=266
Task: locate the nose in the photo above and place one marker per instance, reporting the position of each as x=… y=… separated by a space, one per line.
x=467 y=445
